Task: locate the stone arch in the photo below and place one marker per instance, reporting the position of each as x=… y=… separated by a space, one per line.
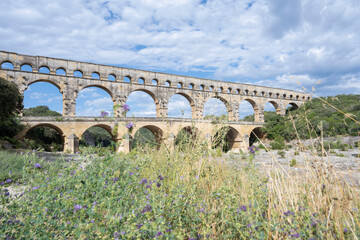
x=88 y=101
x=95 y=75
x=60 y=71
x=28 y=128
x=227 y=138
x=24 y=66
x=293 y=106
x=78 y=73
x=44 y=69
x=62 y=136
x=276 y=106
x=111 y=77
x=101 y=87
x=224 y=101
x=155 y=130
x=255 y=134
x=44 y=80
x=6 y=62
x=190 y=101
x=151 y=94
x=187 y=135
x=103 y=126
x=254 y=106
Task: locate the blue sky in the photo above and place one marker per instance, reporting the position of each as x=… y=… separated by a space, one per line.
x=272 y=43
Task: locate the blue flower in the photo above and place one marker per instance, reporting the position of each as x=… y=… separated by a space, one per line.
x=143 y=181
x=37 y=165
x=8 y=181
x=77 y=208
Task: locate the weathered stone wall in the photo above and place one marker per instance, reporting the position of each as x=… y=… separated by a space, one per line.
x=160 y=86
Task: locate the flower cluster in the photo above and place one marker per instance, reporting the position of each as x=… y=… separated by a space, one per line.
x=253 y=149
x=130 y=125
x=104 y=114
x=125 y=108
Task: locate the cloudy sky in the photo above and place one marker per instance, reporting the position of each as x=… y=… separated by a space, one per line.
x=272 y=43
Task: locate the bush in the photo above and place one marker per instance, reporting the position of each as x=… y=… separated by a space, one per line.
x=281 y=154
x=293 y=162
x=278 y=143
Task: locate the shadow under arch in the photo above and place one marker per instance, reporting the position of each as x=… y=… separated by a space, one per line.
x=227 y=138
x=148 y=134
x=187 y=137
x=293 y=106
x=255 y=135
x=93 y=136
x=46 y=137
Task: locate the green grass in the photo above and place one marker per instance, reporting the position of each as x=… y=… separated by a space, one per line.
x=178 y=195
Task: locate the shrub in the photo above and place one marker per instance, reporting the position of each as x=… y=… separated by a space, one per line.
x=281 y=154
x=278 y=143
x=293 y=162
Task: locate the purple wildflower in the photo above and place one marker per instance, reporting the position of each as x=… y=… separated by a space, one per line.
x=77 y=208
x=130 y=125
x=288 y=213
x=243 y=208
x=104 y=114
x=148 y=186
x=37 y=187
x=130 y=173
x=2 y=183
x=8 y=181
x=143 y=181
x=139 y=225
x=160 y=177
x=159 y=234
x=37 y=165
x=126 y=108
x=158 y=185
x=296 y=235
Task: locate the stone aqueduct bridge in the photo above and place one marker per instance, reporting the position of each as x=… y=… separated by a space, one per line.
x=160 y=86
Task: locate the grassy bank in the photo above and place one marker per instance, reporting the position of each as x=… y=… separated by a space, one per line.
x=179 y=195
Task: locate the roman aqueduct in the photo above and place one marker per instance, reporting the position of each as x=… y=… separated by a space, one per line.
x=119 y=82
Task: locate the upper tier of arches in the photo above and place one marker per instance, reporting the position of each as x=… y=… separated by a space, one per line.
x=117 y=74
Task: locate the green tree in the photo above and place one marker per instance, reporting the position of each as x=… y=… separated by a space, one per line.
x=11 y=101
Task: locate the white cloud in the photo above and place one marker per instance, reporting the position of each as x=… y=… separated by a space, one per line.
x=264 y=43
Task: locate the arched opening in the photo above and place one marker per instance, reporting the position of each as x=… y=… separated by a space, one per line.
x=167 y=83
x=142 y=103
x=26 y=68
x=141 y=81
x=247 y=110
x=95 y=75
x=186 y=138
x=191 y=86
x=226 y=139
x=179 y=106
x=112 y=77
x=229 y=90
x=97 y=136
x=221 y=89
x=291 y=107
x=78 y=73
x=60 y=71
x=7 y=65
x=44 y=69
x=154 y=82
x=94 y=100
x=211 y=88
x=46 y=94
x=45 y=136
x=271 y=108
x=215 y=109
x=179 y=85
x=147 y=137
x=127 y=79
x=202 y=87
x=255 y=135
x=238 y=91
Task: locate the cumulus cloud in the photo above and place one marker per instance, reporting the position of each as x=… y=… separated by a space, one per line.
x=274 y=43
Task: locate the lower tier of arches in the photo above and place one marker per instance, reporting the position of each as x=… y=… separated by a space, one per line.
x=230 y=137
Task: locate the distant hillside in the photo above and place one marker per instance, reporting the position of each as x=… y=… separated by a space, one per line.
x=40 y=111
x=316 y=116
